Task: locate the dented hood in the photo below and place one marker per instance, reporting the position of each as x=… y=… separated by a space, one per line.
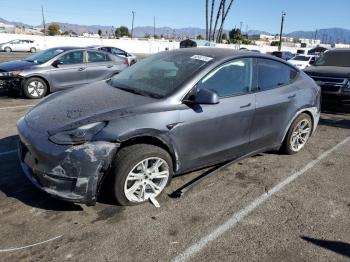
x=78 y=106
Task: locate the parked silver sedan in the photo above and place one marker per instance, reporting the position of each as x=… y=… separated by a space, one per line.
x=58 y=68
x=132 y=59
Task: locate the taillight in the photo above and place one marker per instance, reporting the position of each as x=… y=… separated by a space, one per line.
x=126 y=62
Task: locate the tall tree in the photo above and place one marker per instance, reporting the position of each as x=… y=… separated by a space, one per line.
x=54 y=29
x=121 y=31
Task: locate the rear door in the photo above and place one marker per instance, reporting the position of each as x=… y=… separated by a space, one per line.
x=276 y=97
x=99 y=66
x=72 y=71
x=214 y=133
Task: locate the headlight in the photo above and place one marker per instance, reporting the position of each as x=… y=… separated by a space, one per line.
x=11 y=73
x=79 y=135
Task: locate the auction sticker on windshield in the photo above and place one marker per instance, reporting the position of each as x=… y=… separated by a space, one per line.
x=202 y=58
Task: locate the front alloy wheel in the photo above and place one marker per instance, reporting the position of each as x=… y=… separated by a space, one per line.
x=35 y=88
x=140 y=172
x=146 y=179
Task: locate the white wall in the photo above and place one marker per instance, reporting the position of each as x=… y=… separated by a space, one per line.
x=132 y=46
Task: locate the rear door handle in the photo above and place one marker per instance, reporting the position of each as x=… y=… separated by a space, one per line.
x=292 y=96
x=247 y=105
x=109 y=66
x=81 y=69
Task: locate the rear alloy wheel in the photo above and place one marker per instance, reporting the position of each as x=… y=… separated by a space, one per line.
x=298 y=134
x=35 y=88
x=7 y=49
x=33 y=50
x=141 y=172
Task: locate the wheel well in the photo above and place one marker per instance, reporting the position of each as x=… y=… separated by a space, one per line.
x=311 y=116
x=42 y=78
x=150 y=140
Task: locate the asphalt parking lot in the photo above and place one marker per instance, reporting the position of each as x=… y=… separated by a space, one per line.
x=269 y=207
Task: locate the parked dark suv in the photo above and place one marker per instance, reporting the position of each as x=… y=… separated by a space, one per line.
x=171 y=113
x=332 y=72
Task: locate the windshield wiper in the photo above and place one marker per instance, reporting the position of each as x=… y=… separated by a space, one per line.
x=138 y=92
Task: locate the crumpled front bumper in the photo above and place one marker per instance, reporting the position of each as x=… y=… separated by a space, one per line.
x=12 y=83
x=71 y=173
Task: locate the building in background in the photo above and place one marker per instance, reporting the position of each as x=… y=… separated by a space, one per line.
x=6 y=28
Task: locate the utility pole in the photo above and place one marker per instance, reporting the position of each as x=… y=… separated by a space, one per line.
x=154 y=27
x=281 y=32
x=316 y=34
x=44 y=25
x=132 y=23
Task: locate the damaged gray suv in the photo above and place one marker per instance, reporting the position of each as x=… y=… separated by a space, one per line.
x=169 y=114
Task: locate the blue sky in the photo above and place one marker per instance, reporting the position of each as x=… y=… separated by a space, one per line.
x=257 y=14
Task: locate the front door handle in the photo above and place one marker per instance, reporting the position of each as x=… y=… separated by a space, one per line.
x=81 y=69
x=247 y=105
x=109 y=66
x=292 y=96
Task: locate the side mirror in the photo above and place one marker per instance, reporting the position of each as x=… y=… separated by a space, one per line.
x=204 y=97
x=56 y=63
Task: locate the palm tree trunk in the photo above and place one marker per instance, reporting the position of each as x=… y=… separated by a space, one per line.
x=224 y=18
x=211 y=17
x=217 y=19
x=206 y=20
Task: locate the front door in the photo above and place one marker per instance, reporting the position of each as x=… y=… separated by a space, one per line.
x=72 y=71
x=209 y=134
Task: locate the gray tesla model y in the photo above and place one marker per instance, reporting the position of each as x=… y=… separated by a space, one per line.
x=168 y=114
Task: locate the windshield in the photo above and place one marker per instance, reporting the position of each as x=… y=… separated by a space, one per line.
x=44 y=56
x=301 y=58
x=337 y=58
x=159 y=75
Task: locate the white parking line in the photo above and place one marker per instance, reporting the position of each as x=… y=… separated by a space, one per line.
x=8 y=152
x=33 y=245
x=240 y=215
x=11 y=107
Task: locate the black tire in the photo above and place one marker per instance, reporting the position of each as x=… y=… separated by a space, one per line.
x=125 y=161
x=36 y=94
x=287 y=147
x=8 y=49
x=32 y=49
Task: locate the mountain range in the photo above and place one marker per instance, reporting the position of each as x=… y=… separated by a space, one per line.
x=329 y=35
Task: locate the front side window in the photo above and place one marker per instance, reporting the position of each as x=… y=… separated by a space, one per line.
x=273 y=74
x=232 y=78
x=94 y=57
x=75 y=57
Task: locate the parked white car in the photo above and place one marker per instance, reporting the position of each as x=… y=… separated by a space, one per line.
x=22 y=45
x=302 y=61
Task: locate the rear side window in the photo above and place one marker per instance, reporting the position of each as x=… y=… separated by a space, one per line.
x=75 y=57
x=272 y=74
x=94 y=57
x=232 y=78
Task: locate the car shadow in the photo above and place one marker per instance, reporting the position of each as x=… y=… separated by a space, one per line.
x=338 y=247
x=335 y=122
x=14 y=184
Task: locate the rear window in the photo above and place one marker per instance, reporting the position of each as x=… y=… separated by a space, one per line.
x=337 y=58
x=301 y=58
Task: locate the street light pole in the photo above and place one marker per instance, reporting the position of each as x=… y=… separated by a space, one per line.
x=132 y=23
x=281 y=32
x=154 y=27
